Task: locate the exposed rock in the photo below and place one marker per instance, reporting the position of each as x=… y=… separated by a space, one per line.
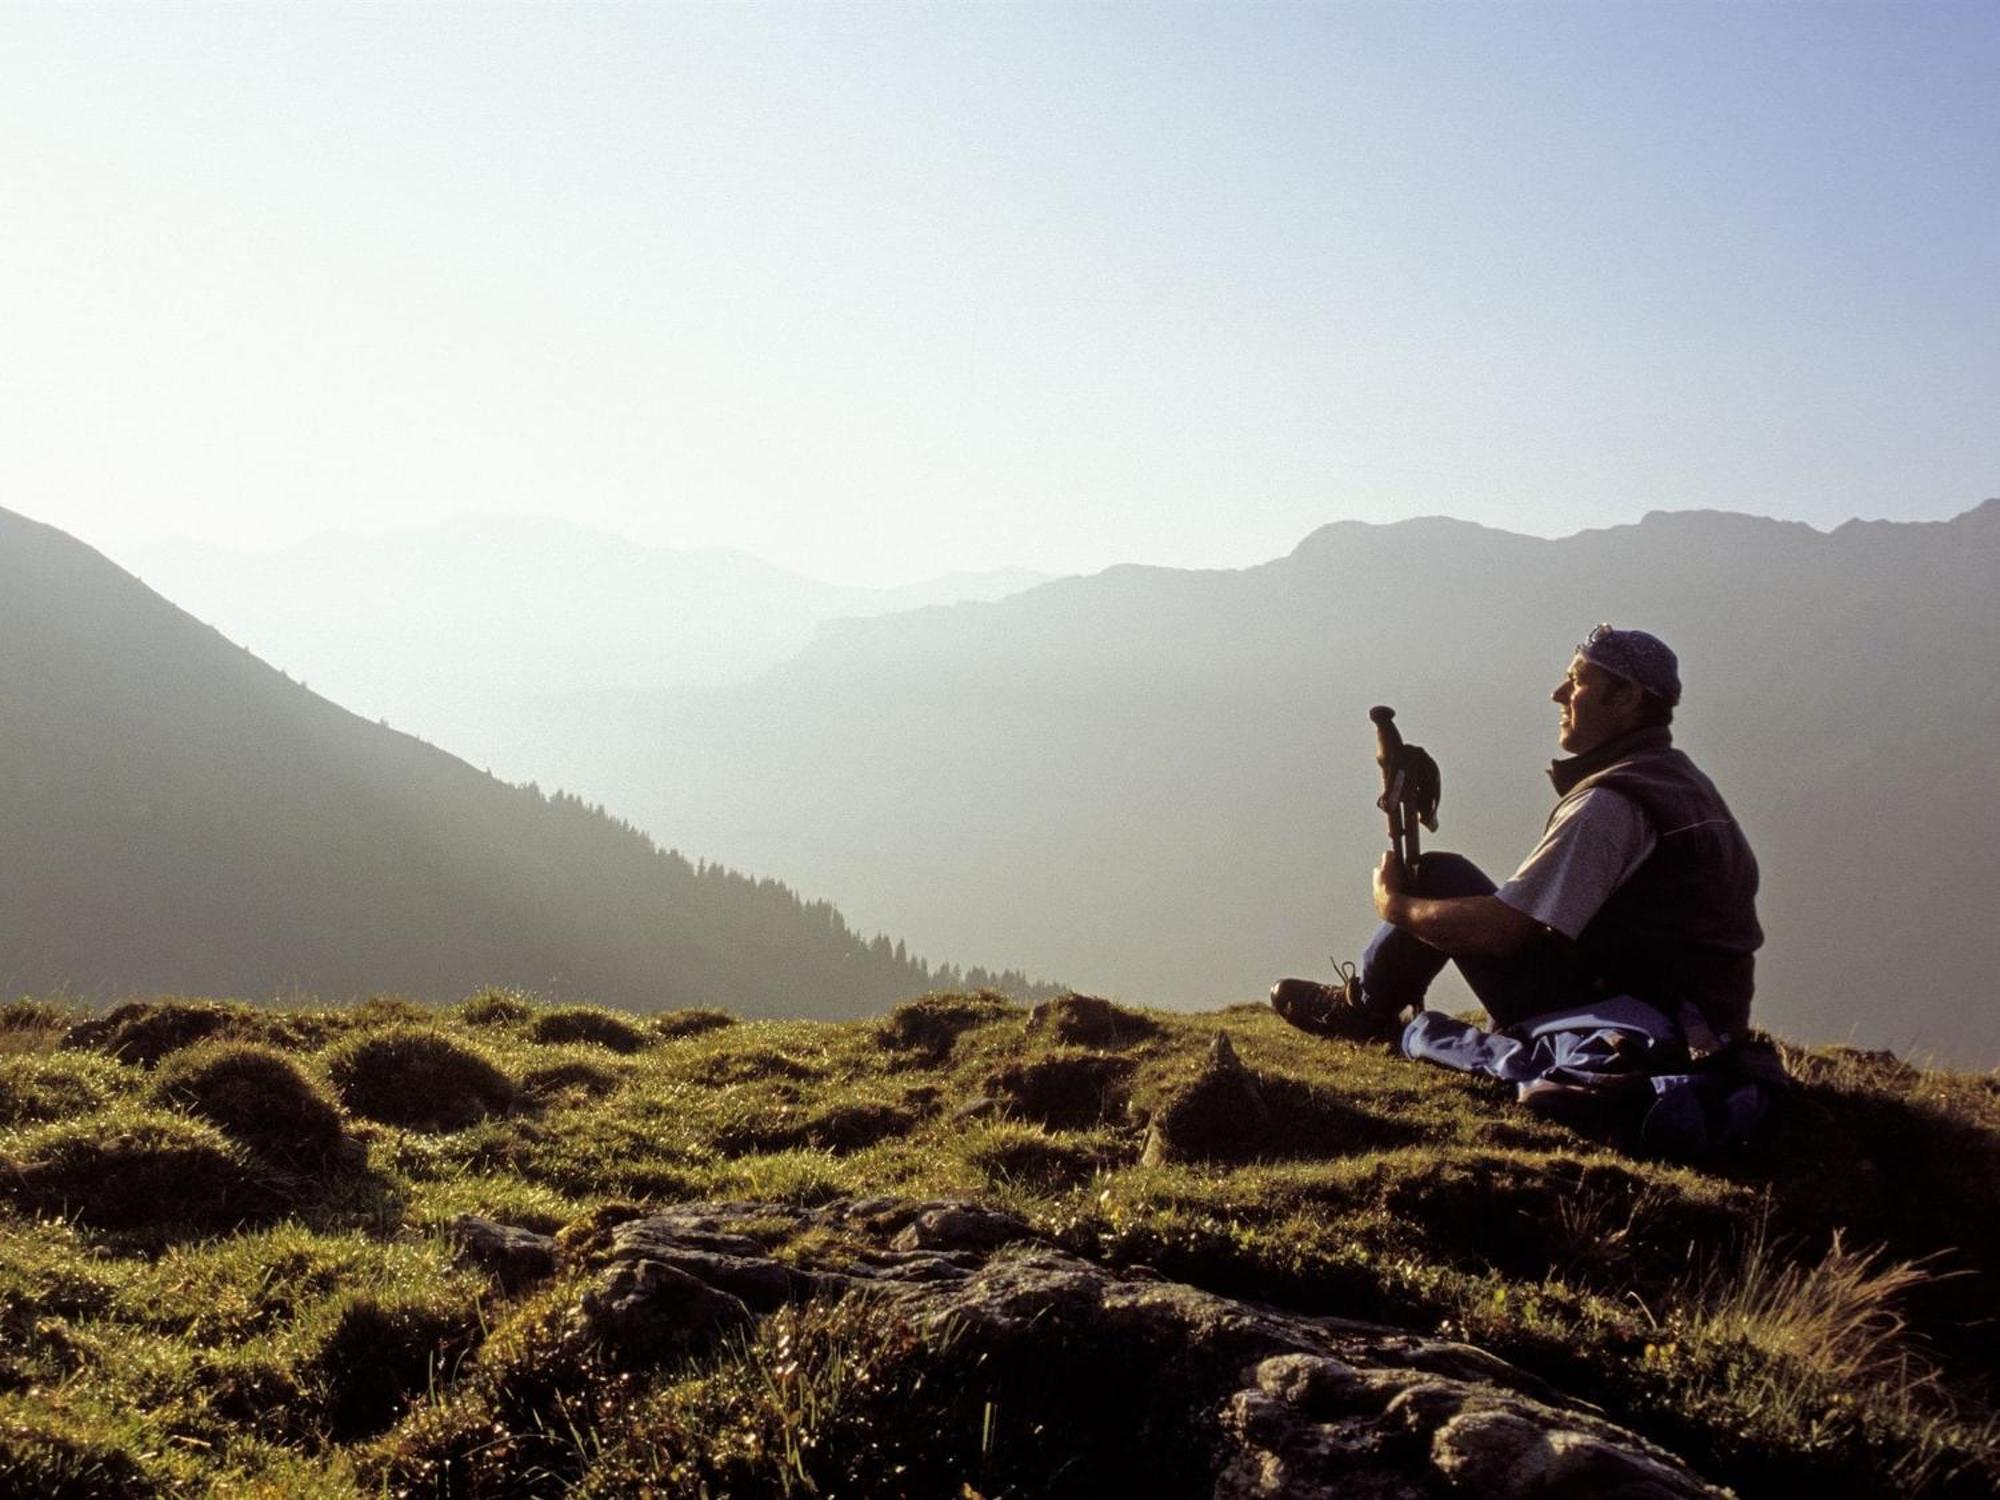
x=1088 y=1021
x=1281 y=1404
x=729 y=1263
x=962 y=1226
x=518 y=1257
x=645 y=1311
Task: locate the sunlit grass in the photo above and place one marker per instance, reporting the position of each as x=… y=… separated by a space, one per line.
x=1779 y=1319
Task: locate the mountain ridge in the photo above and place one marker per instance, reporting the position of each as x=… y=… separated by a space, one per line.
x=179 y=815
x=1185 y=754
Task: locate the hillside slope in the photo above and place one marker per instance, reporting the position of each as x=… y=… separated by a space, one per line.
x=232 y=1260
x=1160 y=783
x=178 y=816
x=483 y=634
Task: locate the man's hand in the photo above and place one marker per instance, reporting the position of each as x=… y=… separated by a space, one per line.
x=1391 y=884
x=1463 y=926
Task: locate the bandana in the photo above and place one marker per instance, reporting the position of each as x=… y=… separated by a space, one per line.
x=1637 y=657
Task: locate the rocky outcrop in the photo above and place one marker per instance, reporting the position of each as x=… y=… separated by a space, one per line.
x=1279 y=1403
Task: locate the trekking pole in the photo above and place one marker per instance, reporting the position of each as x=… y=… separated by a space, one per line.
x=1410 y=789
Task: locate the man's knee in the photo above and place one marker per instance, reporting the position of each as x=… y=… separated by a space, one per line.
x=1442 y=873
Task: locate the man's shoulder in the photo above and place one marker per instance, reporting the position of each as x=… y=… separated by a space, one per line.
x=1643 y=777
x=1596 y=803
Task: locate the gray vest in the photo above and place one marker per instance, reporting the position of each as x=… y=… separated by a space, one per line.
x=1683 y=926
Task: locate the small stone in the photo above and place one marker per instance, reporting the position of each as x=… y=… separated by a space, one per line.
x=1320 y=1387
x=518 y=1257
x=961 y=1226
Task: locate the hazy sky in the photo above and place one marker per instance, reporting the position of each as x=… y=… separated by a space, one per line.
x=882 y=290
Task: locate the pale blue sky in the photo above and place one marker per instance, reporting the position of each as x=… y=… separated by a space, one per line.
x=879 y=291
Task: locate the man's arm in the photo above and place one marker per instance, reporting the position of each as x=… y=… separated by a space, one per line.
x=1461 y=926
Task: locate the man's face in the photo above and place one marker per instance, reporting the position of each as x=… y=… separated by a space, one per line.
x=1596 y=706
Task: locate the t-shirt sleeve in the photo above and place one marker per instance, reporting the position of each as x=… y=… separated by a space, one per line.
x=1594 y=843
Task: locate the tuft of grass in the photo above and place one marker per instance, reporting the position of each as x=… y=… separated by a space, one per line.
x=419 y=1078
x=59 y=1086
x=571 y=1080
x=1066 y=1090
x=523 y=1418
x=838 y=1399
x=1090 y=1021
x=1816 y=1360
x=591 y=1025
x=670 y=1025
x=1008 y=1154
x=839 y=1128
x=25 y=1014
x=1209 y=1119
x=378 y=1353
x=1838 y=1318
x=931 y=1025
x=496 y=1007
x=132 y=1169
x=259 y=1098
x=144 y=1031
x=52 y=1454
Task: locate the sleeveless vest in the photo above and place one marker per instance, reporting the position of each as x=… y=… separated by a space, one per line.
x=1683 y=926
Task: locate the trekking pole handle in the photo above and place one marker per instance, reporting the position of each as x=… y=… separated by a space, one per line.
x=1388 y=755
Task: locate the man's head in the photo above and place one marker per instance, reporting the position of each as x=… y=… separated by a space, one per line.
x=1618 y=681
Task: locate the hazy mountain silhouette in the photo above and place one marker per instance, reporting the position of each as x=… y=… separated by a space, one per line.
x=491 y=634
x=177 y=816
x=1159 y=783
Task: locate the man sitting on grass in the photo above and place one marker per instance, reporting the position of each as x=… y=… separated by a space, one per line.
x=1642 y=885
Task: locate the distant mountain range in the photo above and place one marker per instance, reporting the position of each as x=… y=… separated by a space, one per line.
x=1155 y=783
x=490 y=634
x=177 y=816
x=1159 y=783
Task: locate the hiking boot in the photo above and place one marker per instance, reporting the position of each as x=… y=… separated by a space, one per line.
x=1334 y=1010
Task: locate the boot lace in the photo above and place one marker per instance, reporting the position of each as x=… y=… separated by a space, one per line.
x=1345 y=984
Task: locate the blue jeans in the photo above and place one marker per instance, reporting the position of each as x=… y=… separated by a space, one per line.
x=1397 y=966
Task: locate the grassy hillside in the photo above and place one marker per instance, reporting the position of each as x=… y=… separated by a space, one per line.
x=224 y=1262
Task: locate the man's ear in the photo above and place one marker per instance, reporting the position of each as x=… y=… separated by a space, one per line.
x=1628 y=694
